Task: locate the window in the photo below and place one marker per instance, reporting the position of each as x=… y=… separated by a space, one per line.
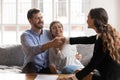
x=70 y=12
x=62 y=8
x=13 y=19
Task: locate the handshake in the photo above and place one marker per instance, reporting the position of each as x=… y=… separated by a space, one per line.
x=57 y=42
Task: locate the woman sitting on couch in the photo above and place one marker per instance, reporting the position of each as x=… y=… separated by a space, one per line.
x=63 y=59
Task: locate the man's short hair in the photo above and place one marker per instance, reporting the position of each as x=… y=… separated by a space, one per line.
x=31 y=12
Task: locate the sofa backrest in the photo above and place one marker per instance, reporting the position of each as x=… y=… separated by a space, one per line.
x=11 y=55
x=86 y=50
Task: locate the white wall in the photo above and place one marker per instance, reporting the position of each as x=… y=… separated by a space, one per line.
x=118 y=13
x=112 y=8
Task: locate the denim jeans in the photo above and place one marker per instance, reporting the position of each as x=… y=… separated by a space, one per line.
x=31 y=68
x=69 y=69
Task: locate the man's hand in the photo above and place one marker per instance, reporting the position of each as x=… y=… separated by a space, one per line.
x=58 y=42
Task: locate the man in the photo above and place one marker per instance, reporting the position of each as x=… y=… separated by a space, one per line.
x=35 y=43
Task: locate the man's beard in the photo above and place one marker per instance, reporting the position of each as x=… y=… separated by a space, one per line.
x=39 y=26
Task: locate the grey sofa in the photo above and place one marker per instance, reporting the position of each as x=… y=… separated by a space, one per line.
x=86 y=51
x=12 y=57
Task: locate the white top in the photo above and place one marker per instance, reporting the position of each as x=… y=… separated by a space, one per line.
x=66 y=56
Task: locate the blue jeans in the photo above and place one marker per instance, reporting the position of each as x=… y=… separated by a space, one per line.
x=31 y=68
x=69 y=69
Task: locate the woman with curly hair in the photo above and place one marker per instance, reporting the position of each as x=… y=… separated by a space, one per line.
x=106 y=55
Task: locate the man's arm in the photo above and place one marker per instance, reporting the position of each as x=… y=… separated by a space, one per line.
x=48 y=45
x=30 y=47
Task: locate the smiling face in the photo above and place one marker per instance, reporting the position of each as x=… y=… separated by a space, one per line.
x=97 y=19
x=90 y=22
x=56 y=29
x=37 y=20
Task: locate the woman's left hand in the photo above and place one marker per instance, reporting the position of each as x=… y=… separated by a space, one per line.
x=78 y=56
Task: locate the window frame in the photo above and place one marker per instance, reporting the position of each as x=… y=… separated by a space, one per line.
x=22 y=27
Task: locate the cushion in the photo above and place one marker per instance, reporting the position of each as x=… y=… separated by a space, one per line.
x=11 y=55
x=87 y=52
x=10 y=69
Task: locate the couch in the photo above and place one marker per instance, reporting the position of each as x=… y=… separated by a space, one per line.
x=86 y=50
x=12 y=57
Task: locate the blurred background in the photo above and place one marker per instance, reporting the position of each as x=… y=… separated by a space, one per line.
x=71 y=13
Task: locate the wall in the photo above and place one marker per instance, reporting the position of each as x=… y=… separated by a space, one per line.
x=112 y=8
x=118 y=19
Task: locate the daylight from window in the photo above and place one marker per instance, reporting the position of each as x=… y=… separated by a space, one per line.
x=13 y=19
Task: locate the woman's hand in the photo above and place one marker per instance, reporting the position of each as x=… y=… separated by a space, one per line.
x=78 y=56
x=58 y=42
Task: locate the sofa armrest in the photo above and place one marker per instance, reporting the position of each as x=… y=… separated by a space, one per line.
x=11 y=55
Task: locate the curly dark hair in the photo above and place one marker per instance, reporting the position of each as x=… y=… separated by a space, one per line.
x=109 y=35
